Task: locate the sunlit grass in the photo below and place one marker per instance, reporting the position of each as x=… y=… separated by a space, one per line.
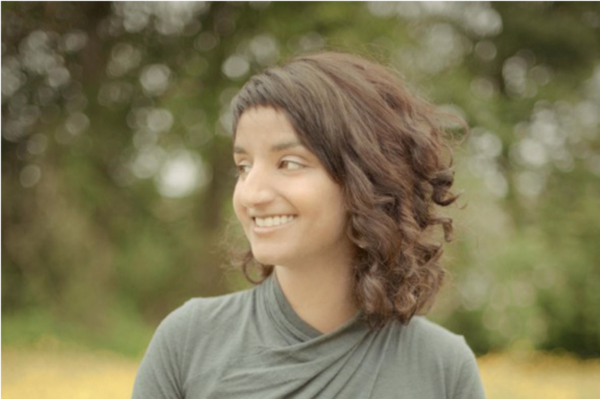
x=51 y=370
x=57 y=372
x=539 y=375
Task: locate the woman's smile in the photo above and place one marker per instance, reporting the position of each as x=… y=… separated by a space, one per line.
x=270 y=224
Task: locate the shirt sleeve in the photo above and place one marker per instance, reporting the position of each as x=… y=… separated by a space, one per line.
x=160 y=373
x=468 y=384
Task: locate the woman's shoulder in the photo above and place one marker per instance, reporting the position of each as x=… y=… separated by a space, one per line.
x=210 y=308
x=430 y=345
x=433 y=351
x=427 y=332
x=426 y=337
x=191 y=329
x=202 y=314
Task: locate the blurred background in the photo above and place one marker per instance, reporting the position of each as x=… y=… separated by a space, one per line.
x=117 y=173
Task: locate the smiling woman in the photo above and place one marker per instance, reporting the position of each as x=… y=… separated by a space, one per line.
x=340 y=169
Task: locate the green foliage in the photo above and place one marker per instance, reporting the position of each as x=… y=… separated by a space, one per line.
x=116 y=164
x=122 y=331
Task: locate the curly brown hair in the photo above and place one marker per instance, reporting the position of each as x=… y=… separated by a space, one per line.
x=385 y=147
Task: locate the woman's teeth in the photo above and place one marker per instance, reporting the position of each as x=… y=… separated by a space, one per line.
x=273 y=221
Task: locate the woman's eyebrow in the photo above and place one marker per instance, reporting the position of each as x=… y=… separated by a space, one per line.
x=286 y=145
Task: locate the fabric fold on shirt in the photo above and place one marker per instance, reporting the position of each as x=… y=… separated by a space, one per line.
x=314 y=363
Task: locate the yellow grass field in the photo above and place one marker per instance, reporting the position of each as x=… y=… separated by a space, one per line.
x=58 y=372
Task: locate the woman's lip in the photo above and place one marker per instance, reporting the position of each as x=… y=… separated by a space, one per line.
x=267 y=229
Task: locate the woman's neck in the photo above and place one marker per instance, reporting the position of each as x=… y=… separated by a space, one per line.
x=321 y=295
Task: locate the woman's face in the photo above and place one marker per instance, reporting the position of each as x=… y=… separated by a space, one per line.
x=291 y=210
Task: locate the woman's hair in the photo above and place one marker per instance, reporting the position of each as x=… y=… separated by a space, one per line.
x=385 y=147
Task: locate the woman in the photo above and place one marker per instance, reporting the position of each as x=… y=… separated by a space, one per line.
x=340 y=169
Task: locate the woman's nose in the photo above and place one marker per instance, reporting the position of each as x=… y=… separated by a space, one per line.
x=256 y=188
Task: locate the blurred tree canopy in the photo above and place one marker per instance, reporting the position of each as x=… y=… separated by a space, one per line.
x=116 y=160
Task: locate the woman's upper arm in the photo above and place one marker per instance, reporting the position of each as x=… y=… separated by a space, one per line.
x=160 y=375
x=468 y=384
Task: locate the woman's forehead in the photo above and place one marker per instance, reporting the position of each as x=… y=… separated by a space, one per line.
x=264 y=125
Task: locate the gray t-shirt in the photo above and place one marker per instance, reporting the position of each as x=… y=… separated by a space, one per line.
x=252 y=344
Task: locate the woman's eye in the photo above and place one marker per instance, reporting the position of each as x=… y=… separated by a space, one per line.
x=242 y=169
x=291 y=165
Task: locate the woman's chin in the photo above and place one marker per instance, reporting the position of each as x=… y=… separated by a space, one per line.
x=268 y=258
